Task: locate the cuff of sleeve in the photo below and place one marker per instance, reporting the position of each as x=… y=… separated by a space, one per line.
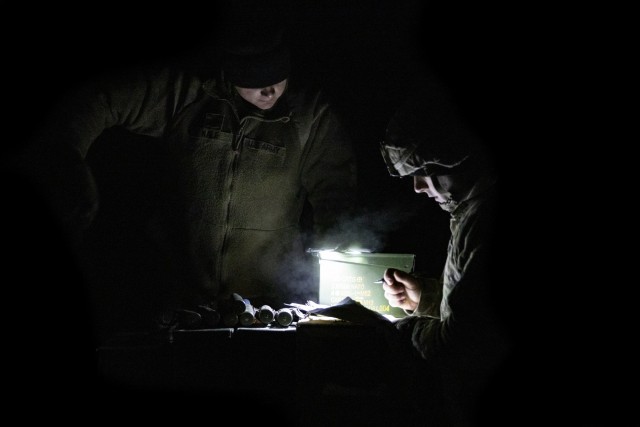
x=430 y=298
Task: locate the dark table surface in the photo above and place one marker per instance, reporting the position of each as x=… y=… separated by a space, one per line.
x=335 y=373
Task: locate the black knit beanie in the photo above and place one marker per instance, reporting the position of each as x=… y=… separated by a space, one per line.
x=255 y=57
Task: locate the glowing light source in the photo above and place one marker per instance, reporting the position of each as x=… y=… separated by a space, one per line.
x=353 y=274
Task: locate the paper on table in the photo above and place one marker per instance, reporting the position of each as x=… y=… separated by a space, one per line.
x=352 y=311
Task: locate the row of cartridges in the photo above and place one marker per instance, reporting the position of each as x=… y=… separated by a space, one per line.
x=237 y=311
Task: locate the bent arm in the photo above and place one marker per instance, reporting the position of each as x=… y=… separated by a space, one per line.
x=142 y=102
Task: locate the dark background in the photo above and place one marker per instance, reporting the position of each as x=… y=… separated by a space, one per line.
x=368 y=55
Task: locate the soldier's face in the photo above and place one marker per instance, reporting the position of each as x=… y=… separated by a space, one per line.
x=263 y=98
x=424 y=184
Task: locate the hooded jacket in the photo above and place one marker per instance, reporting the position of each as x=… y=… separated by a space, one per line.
x=240 y=176
x=457 y=327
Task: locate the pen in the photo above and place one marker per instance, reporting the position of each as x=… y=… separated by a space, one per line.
x=381 y=280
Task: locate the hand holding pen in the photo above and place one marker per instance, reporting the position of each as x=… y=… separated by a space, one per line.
x=401 y=289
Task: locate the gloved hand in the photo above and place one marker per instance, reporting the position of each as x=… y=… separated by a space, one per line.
x=69 y=188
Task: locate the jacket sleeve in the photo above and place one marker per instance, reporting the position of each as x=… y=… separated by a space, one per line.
x=141 y=102
x=329 y=174
x=430 y=296
x=471 y=331
x=463 y=326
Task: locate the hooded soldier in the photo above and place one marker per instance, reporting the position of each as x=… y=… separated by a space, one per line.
x=453 y=323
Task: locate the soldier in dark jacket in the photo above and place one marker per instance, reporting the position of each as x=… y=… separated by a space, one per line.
x=453 y=323
x=248 y=150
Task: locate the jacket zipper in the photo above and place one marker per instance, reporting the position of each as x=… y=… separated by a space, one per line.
x=236 y=147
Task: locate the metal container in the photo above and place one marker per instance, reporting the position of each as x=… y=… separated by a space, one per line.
x=344 y=274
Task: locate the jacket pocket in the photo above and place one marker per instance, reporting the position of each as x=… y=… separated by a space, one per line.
x=263 y=154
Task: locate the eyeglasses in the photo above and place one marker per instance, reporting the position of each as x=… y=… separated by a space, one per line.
x=388 y=162
x=393 y=171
